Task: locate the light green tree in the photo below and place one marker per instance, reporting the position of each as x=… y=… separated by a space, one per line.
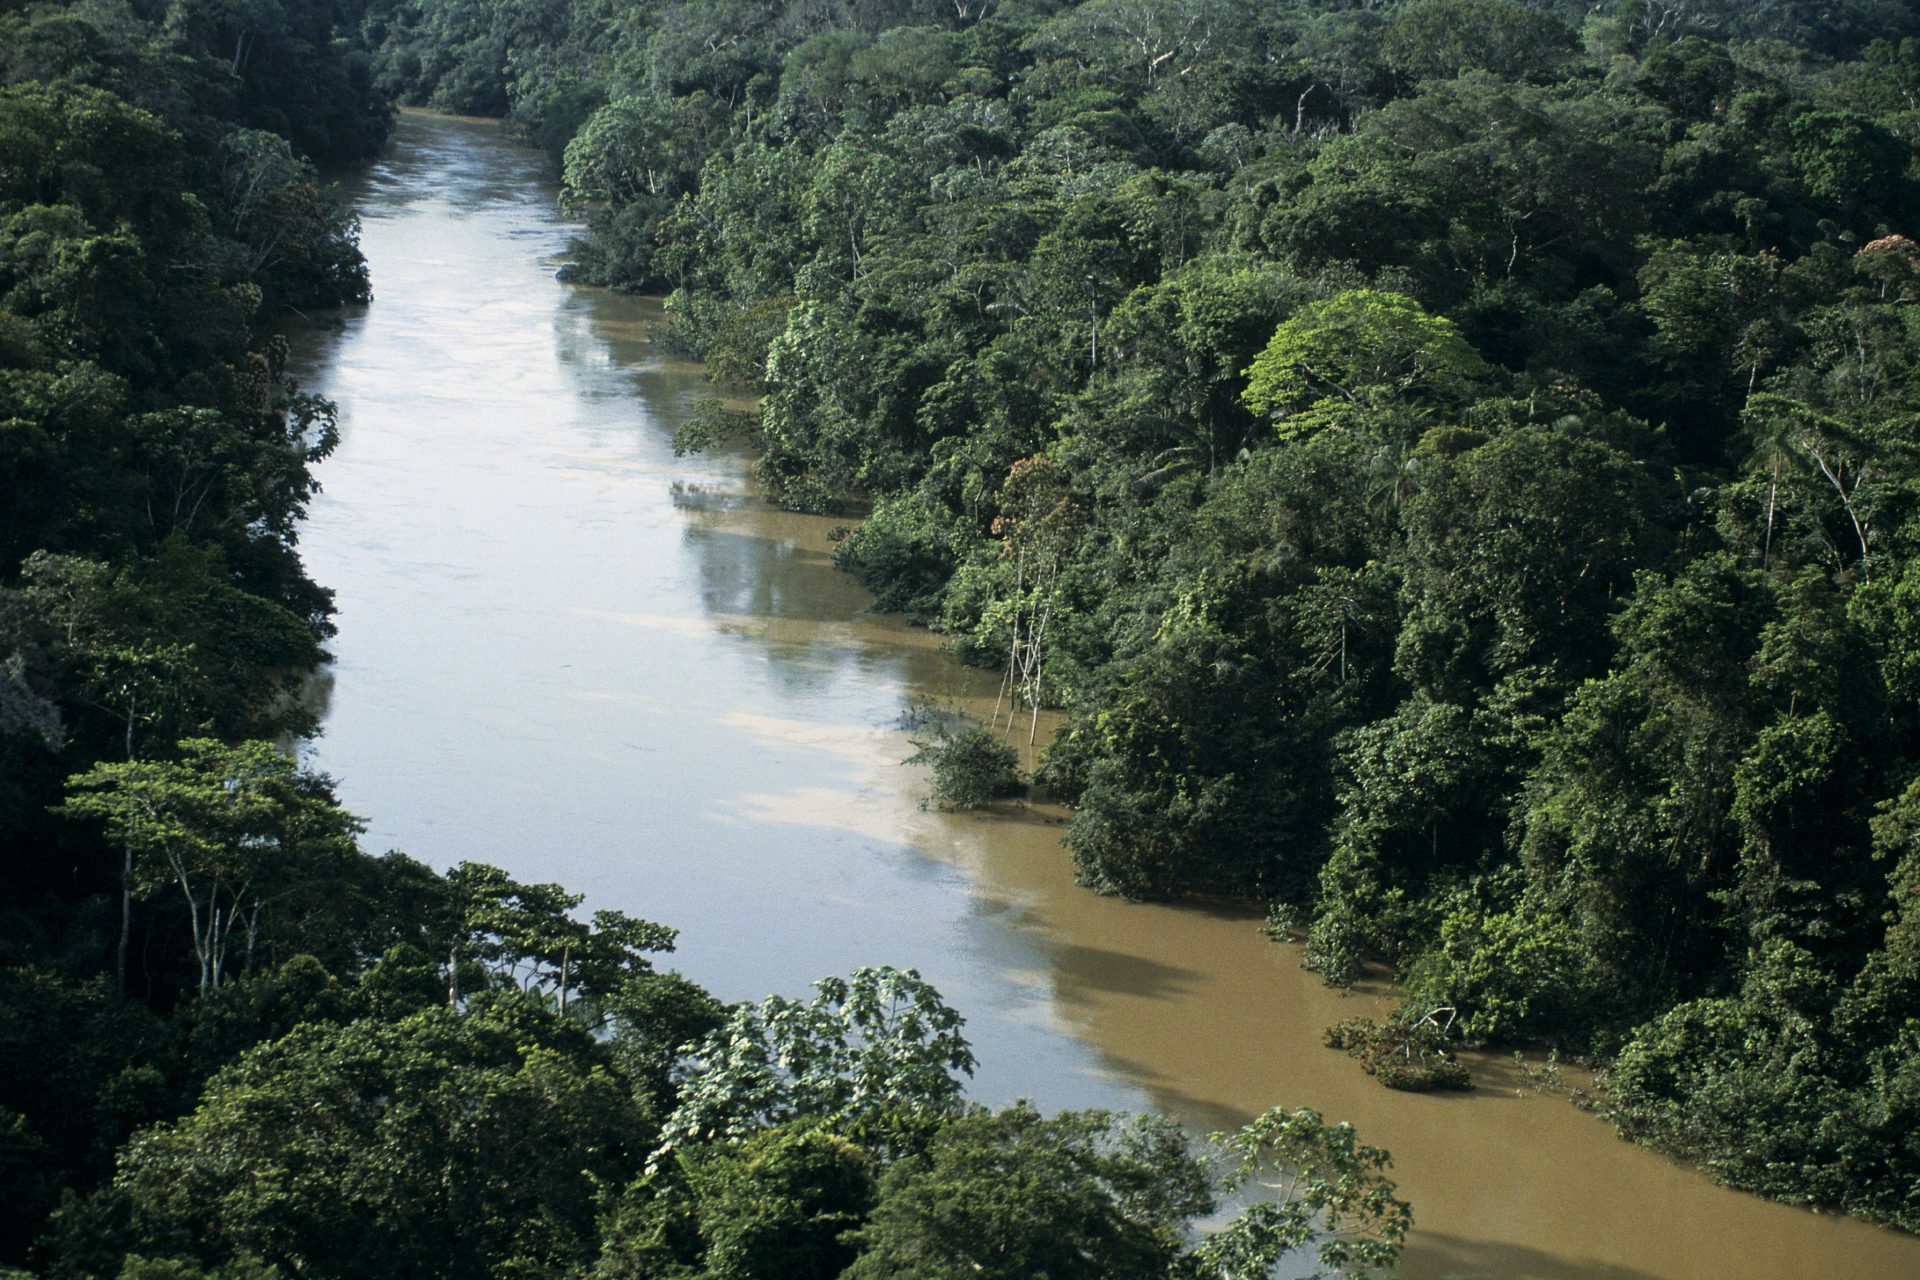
x=879 y=1042
x=527 y=934
x=1358 y=360
x=1331 y=1200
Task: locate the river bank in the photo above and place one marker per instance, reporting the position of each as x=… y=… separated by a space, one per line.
x=565 y=651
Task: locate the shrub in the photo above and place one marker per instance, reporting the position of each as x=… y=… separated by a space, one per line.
x=971 y=766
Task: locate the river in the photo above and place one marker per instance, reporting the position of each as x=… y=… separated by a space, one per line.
x=565 y=651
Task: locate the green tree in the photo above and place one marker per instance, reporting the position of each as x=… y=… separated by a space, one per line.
x=1013 y=1194
x=445 y=1144
x=526 y=934
x=86 y=1067
x=237 y=831
x=1508 y=971
x=1626 y=828
x=780 y=1205
x=1516 y=554
x=972 y=766
x=1361 y=360
x=1847 y=160
x=879 y=1047
x=1176 y=351
x=1745 y=1084
x=1334 y=1200
x=1441 y=38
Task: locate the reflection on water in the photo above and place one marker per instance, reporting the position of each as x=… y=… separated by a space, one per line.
x=564 y=650
x=568 y=652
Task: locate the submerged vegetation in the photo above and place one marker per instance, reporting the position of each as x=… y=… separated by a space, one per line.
x=972 y=765
x=1410 y=1053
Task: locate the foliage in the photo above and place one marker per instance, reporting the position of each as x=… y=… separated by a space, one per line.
x=1405 y=1053
x=972 y=766
x=781 y=1204
x=1356 y=359
x=1334 y=1200
x=878 y=1050
x=711 y=425
x=440 y=1145
x=524 y=934
x=1514 y=974
x=1454 y=472
x=161 y=209
x=1014 y=1194
x=238 y=832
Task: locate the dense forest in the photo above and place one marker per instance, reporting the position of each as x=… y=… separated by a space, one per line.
x=1455 y=462
x=236 y=1045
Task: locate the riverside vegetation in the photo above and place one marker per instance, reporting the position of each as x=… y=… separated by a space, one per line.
x=1453 y=461
x=236 y=1045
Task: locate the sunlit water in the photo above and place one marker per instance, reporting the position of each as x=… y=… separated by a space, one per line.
x=568 y=652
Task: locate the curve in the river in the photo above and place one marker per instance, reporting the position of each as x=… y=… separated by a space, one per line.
x=568 y=652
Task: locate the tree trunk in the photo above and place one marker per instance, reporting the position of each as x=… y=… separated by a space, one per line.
x=1773 y=492
x=126 y=920
x=126 y=889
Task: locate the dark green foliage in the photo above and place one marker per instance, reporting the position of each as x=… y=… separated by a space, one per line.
x=1796 y=1085
x=262 y=1007
x=155 y=457
x=442 y=1144
x=653 y=1016
x=1456 y=474
x=1453 y=469
x=711 y=425
x=904 y=553
x=781 y=1204
x=85 y=1068
x=1015 y=1194
x=1509 y=969
x=222 y=834
x=159 y=210
x=1439 y=39
x=1744 y=1085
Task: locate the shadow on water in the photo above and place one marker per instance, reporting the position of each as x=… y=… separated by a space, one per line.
x=1085 y=972
x=1433 y=1255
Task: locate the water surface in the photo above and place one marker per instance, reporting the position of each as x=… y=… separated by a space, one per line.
x=568 y=652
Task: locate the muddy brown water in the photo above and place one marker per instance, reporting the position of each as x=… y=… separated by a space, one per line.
x=566 y=651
